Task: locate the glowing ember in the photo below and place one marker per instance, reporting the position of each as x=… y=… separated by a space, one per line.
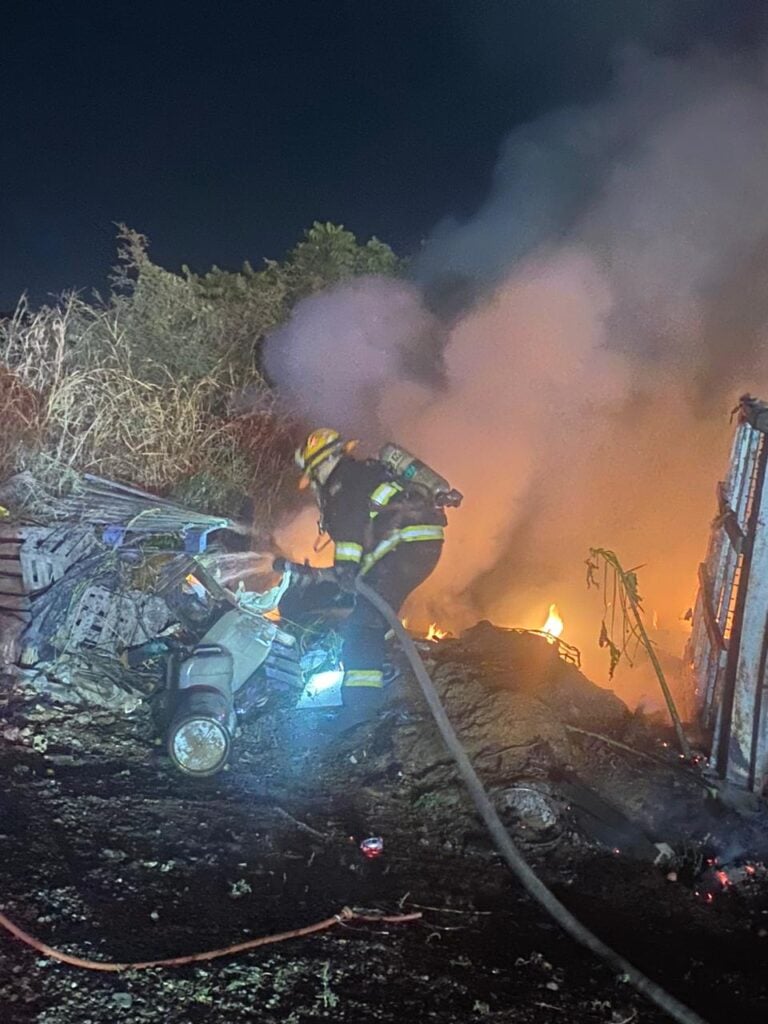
x=434 y=633
x=554 y=624
x=722 y=877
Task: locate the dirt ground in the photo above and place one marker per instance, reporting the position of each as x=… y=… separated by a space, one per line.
x=106 y=852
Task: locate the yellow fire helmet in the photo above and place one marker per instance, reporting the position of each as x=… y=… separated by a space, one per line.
x=323 y=443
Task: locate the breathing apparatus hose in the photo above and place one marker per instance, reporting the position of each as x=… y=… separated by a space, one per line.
x=515 y=860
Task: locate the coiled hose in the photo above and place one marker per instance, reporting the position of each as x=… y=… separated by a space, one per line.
x=530 y=881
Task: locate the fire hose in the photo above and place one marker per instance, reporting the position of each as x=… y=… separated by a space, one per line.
x=509 y=851
x=345 y=916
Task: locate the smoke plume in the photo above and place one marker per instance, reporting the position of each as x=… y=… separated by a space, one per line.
x=619 y=281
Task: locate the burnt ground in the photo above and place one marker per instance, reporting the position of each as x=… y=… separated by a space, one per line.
x=106 y=852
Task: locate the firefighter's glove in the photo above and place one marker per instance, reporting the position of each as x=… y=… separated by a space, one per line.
x=345 y=578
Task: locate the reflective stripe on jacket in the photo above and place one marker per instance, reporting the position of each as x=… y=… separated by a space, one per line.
x=373 y=678
x=348 y=551
x=407 y=535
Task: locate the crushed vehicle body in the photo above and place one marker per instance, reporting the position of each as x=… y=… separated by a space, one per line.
x=123 y=599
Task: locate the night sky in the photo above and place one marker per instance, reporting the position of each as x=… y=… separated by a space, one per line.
x=222 y=130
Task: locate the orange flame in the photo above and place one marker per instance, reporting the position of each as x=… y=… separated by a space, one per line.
x=554 y=624
x=434 y=633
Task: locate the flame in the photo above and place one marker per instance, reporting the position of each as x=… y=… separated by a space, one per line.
x=554 y=624
x=434 y=632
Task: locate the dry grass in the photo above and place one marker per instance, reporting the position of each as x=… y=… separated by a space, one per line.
x=160 y=386
x=77 y=400
x=21 y=419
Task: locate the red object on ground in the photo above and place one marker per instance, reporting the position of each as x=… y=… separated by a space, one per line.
x=372 y=847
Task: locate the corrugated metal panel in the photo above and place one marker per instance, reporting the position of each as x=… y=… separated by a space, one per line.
x=728 y=650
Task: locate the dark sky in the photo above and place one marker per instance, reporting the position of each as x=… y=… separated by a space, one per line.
x=221 y=130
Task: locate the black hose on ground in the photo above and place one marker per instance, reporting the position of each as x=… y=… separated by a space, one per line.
x=531 y=882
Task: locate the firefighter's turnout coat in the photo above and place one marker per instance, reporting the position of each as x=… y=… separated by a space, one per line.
x=387 y=533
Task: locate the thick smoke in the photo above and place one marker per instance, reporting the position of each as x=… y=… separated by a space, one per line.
x=619 y=274
x=343 y=348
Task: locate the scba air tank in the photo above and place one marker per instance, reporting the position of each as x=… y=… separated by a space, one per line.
x=410 y=470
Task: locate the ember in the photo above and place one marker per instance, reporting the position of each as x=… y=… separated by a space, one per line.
x=554 y=624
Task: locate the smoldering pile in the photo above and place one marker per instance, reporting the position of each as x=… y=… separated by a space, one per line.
x=569 y=766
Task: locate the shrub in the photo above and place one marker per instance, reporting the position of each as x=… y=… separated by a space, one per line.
x=160 y=385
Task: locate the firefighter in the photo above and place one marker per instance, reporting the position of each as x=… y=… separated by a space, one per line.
x=385 y=533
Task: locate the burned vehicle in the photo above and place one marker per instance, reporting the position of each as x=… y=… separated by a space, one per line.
x=129 y=599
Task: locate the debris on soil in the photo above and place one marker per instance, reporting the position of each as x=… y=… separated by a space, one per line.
x=109 y=853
